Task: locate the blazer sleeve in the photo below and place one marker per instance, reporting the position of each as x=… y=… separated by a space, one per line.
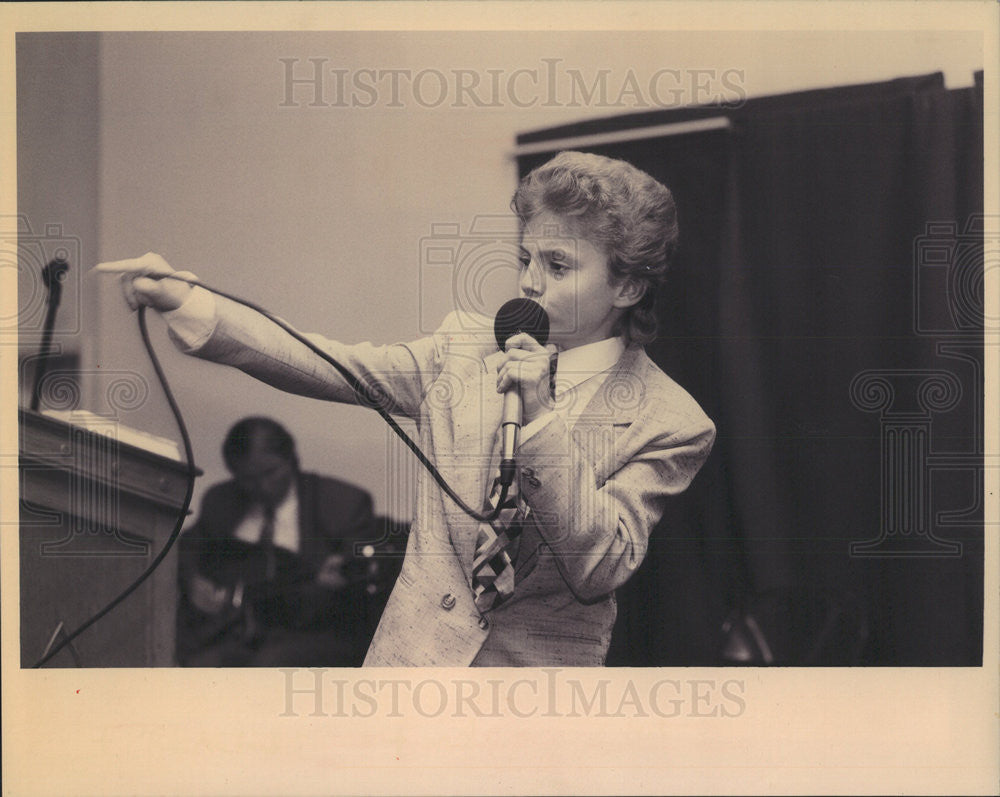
x=599 y=531
x=399 y=374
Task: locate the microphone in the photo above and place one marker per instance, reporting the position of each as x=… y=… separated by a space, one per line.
x=514 y=317
x=53 y=275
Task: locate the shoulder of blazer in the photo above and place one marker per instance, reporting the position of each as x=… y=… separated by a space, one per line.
x=641 y=388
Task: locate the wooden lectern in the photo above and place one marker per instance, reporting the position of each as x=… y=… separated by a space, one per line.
x=94 y=513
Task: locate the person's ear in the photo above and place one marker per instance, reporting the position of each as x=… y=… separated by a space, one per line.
x=630 y=291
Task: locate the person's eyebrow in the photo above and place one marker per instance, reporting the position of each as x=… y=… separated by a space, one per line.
x=563 y=255
x=559 y=254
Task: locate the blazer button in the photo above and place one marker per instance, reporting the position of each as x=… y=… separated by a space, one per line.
x=448 y=602
x=484 y=623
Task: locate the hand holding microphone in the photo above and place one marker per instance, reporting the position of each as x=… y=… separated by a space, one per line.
x=522 y=330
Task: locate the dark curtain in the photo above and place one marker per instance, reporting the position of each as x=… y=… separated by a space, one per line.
x=826 y=310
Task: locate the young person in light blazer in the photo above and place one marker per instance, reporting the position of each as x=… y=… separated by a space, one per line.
x=598 y=459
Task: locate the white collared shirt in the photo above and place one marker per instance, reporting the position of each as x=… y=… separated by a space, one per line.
x=286 y=522
x=580 y=372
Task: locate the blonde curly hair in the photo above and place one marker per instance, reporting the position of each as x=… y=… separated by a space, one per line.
x=620 y=209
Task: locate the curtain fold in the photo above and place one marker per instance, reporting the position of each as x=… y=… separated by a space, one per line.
x=806 y=283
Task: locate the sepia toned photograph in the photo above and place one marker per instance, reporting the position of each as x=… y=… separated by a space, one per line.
x=626 y=382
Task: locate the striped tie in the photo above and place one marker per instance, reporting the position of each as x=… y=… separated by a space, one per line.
x=496 y=544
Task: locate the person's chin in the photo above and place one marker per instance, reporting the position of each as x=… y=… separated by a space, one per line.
x=562 y=337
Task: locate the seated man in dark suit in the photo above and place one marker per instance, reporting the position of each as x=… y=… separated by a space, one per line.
x=270 y=574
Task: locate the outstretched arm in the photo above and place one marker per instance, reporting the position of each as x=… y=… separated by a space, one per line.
x=149 y=280
x=235 y=335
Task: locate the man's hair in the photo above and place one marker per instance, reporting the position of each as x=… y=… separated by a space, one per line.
x=267 y=433
x=620 y=209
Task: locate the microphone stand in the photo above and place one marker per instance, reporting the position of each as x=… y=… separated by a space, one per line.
x=53 y=275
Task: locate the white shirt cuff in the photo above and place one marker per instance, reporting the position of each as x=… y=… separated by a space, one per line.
x=194 y=321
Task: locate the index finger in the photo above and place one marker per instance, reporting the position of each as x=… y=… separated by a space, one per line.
x=524 y=341
x=133 y=265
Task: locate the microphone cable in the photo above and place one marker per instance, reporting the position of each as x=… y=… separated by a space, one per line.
x=175 y=532
x=368 y=397
x=365 y=394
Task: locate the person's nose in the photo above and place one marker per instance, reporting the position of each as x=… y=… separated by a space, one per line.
x=532 y=281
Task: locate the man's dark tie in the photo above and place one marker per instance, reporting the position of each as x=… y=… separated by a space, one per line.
x=267 y=543
x=251 y=628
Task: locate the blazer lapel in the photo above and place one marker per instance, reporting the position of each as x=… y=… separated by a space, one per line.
x=476 y=417
x=597 y=430
x=611 y=410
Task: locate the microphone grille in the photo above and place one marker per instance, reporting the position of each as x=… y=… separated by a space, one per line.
x=521 y=315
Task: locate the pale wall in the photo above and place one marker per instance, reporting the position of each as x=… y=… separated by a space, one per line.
x=319 y=213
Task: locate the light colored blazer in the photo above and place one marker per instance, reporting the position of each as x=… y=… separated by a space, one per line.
x=596 y=491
